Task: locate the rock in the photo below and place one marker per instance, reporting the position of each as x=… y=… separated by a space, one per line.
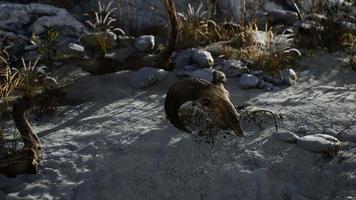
x=260 y=18
x=269 y=86
x=348 y=26
x=283 y=17
x=145 y=43
x=206 y=74
x=190 y=68
x=248 y=81
x=256 y=73
x=232 y=68
x=146 y=77
x=286 y=136
x=203 y=58
x=288 y=76
x=68 y=48
x=124 y=41
x=183 y=58
x=24 y=19
x=122 y=54
x=94 y=40
x=274 y=81
x=261 y=84
x=319 y=143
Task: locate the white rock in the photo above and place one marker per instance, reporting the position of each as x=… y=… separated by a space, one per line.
x=288 y=76
x=286 y=136
x=248 y=81
x=206 y=74
x=233 y=68
x=319 y=143
x=183 y=58
x=203 y=58
x=145 y=43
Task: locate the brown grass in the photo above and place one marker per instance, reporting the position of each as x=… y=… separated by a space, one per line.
x=271 y=54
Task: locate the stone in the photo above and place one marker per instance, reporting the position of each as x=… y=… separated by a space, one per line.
x=190 y=68
x=232 y=68
x=286 y=136
x=203 y=58
x=261 y=84
x=206 y=74
x=256 y=73
x=269 y=86
x=146 y=77
x=319 y=143
x=283 y=17
x=248 y=81
x=145 y=43
x=24 y=19
x=93 y=40
x=274 y=81
x=288 y=76
x=68 y=49
x=122 y=54
x=183 y=58
x=124 y=41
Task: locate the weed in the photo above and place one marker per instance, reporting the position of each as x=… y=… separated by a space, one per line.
x=45 y=44
x=102 y=19
x=268 y=51
x=35 y=79
x=195 y=28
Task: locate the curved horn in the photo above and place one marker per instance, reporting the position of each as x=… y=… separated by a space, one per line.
x=179 y=93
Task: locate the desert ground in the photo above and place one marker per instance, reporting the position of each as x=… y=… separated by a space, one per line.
x=114 y=142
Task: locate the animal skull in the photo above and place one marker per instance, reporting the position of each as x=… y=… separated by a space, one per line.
x=212 y=98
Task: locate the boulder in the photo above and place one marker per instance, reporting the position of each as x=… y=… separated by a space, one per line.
x=24 y=19
x=183 y=58
x=248 y=81
x=94 y=40
x=283 y=17
x=203 y=58
x=122 y=54
x=319 y=143
x=288 y=76
x=286 y=136
x=232 y=67
x=206 y=74
x=145 y=43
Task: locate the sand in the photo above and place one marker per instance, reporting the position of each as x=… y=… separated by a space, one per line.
x=115 y=143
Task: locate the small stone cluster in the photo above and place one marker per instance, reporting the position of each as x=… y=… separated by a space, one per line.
x=196 y=63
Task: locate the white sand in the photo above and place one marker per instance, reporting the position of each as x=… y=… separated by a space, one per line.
x=117 y=144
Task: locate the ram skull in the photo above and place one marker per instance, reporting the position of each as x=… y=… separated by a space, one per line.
x=212 y=98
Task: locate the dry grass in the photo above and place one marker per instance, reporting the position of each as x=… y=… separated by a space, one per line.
x=45 y=44
x=196 y=28
x=269 y=52
x=102 y=19
x=327 y=31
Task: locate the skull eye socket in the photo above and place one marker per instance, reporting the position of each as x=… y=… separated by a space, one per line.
x=206 y=104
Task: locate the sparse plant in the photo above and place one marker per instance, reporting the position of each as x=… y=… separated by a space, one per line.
x=102 y=19
x=35 y=79
x=326 y=29
x=196 y=28
x=268 y=51
x=45 y=44
x=9 y=81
